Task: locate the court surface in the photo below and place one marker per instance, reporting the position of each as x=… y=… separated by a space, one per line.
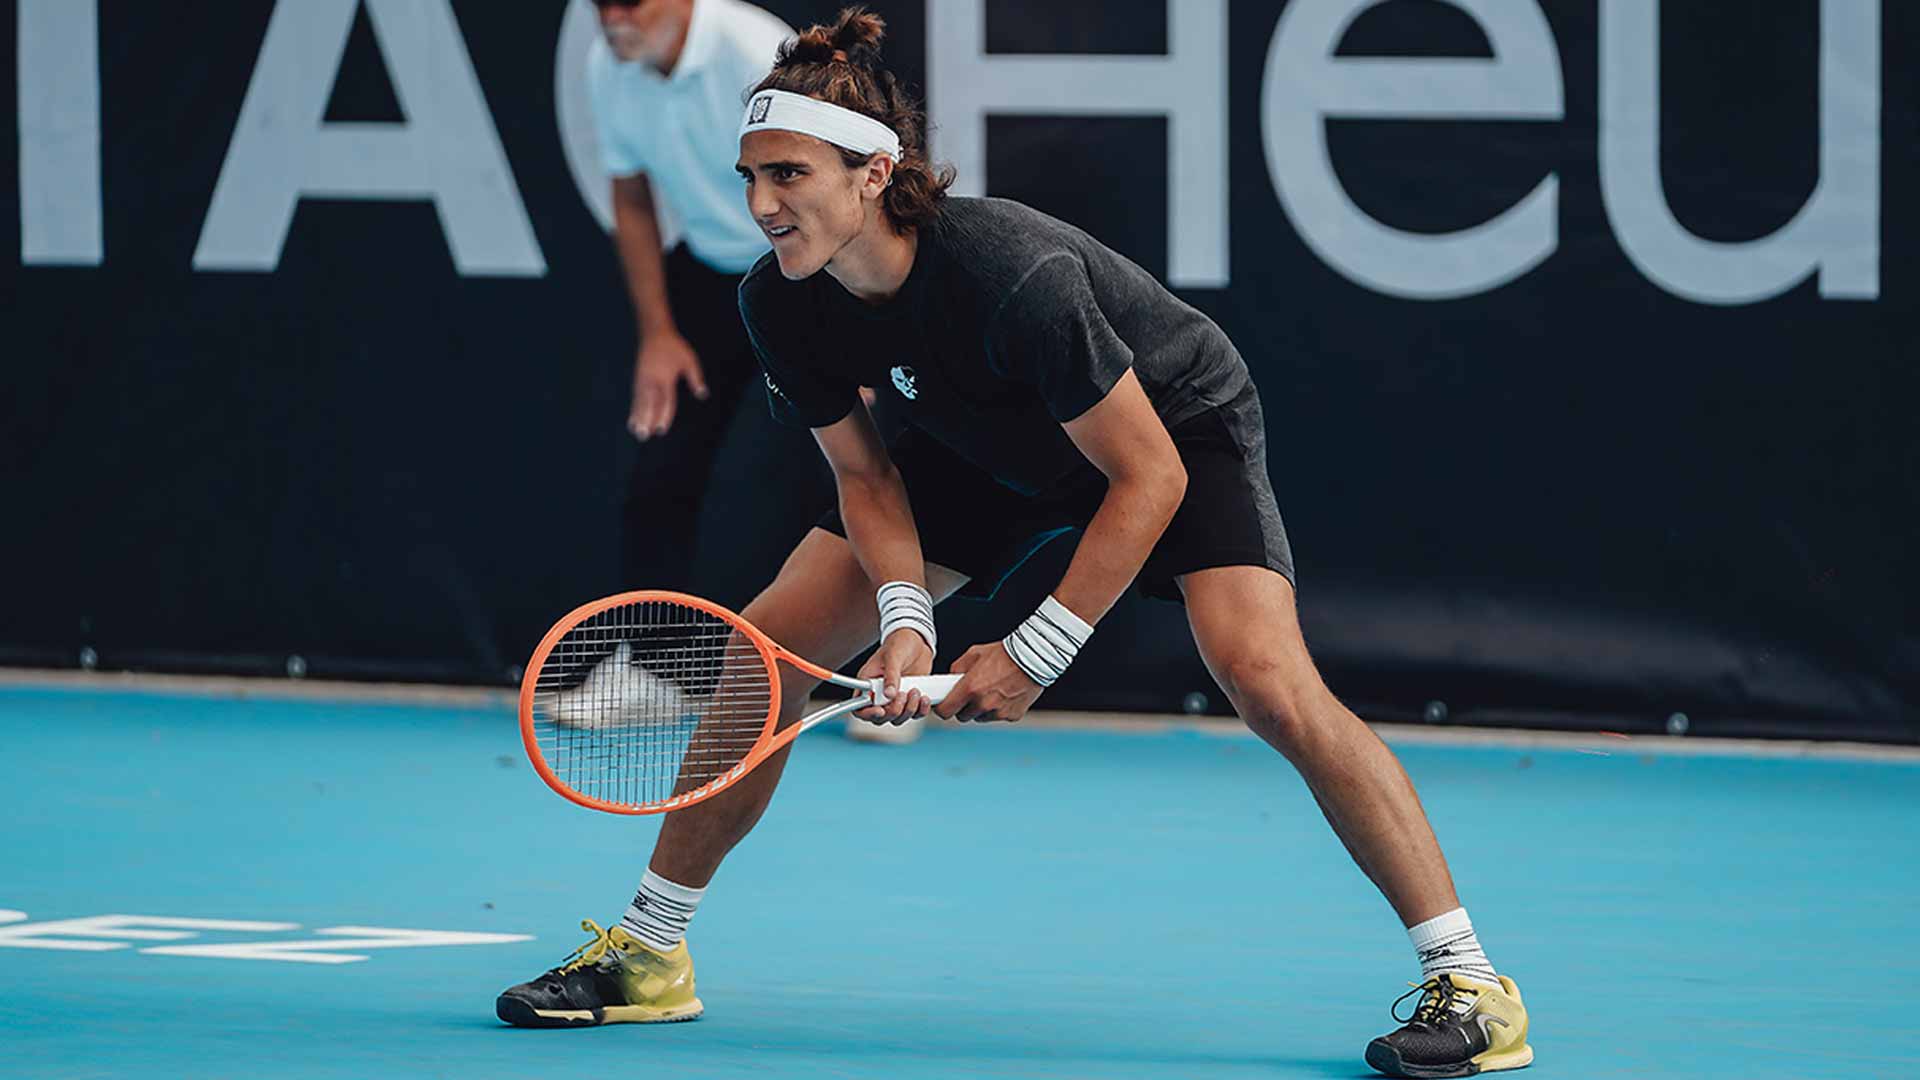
x=1024 y=902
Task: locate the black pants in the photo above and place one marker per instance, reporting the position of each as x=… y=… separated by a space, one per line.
x=716 y=504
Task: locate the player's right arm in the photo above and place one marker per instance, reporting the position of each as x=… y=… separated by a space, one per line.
x=665 y=357
x=880 y=528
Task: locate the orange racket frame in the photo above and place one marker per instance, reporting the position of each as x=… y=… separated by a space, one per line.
x=771 y=737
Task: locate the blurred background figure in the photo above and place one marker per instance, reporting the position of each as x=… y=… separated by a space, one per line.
x=665 y=81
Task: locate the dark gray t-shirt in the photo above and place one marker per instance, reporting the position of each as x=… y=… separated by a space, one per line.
x=1010 y=324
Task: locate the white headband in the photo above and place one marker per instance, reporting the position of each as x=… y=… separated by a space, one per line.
x=778 y=110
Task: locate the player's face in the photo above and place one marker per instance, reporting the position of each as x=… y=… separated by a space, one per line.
x=805 y=199
x=645 y=31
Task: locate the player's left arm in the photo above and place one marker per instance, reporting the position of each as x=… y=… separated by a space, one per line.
x=1124 y=438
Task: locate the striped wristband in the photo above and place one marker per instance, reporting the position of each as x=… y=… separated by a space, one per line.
x=902 y=603
x=1047 y=642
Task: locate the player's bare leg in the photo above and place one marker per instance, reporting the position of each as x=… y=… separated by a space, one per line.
x=1244 y=622
x=1470 y=1018
x=821 y=606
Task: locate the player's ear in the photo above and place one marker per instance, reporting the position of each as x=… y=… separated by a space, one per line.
x=879 y=175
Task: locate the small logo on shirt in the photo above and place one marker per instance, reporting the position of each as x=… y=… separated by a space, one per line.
x=758 y=114
x=903 y=382
x=774 y=387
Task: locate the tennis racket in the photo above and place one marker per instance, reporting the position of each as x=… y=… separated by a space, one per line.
x=652 y=701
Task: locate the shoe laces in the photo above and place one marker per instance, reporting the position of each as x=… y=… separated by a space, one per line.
x=1435 y=1005
x=613 y=939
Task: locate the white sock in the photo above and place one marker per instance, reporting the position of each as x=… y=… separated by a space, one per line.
x=1447 y=943
x=661 y=911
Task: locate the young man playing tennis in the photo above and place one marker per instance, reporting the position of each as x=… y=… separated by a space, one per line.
x=1050 y=386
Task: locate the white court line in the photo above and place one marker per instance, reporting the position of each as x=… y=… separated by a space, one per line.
x=239 y=688
x=246 y=688
x=1498 y=738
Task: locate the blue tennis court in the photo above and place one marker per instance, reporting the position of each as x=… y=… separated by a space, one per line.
x=1027 y=902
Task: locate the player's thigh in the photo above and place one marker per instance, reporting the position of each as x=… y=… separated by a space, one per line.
x=822 y=606
x=1247 y=629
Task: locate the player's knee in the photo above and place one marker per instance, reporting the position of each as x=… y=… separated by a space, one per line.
x=1284 y=725
x=1249 y=676
x=1270 y=703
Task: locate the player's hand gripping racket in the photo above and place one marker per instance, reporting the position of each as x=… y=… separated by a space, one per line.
x=652 y=701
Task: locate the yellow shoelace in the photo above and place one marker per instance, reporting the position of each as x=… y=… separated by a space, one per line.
x=592 y=951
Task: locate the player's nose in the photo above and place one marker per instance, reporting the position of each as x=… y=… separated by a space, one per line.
x=763 y=204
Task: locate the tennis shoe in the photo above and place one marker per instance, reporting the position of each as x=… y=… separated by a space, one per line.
x=1461 y=1027
x=615 y=978
x=868 y=731
x=617 y=691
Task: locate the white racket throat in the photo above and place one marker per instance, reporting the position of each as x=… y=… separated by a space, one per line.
x=873 y=692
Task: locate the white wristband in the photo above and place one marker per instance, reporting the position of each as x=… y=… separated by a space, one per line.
x=902 y=603
x=1047 y=642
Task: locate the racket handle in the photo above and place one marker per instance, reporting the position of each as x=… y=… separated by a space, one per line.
x=935 y=687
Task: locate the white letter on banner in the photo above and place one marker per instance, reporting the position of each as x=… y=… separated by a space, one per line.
x=59 y=72
x=1305 y=83
x=575 y=113
x=446 y=151
x=1837 y=230
x=1188 y=85
x=347 y=937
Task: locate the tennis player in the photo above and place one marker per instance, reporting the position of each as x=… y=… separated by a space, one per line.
x=1050 y=386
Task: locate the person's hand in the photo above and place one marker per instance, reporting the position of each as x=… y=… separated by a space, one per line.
x=665 y=359
x=904 y=652
x=994 y=687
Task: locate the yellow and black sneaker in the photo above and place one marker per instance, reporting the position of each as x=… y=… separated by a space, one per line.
x=1461 y=1027
x=612 y=979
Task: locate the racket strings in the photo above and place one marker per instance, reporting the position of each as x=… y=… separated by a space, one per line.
x=648 y=700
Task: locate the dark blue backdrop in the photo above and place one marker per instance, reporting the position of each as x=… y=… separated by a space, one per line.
x=1574 y=498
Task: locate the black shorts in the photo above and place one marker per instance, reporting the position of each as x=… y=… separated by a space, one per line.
x=972 y=523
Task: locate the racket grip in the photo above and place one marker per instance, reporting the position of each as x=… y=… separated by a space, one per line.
x=935 y=687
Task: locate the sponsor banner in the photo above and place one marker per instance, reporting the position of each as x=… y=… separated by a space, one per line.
x=1585 y=332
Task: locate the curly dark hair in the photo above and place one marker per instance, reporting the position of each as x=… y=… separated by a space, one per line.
x=840 y=64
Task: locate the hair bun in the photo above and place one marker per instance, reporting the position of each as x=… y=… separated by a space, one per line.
x=853 y=38
x=858 y=28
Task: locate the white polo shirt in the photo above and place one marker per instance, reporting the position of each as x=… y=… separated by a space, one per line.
x=682 y=130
